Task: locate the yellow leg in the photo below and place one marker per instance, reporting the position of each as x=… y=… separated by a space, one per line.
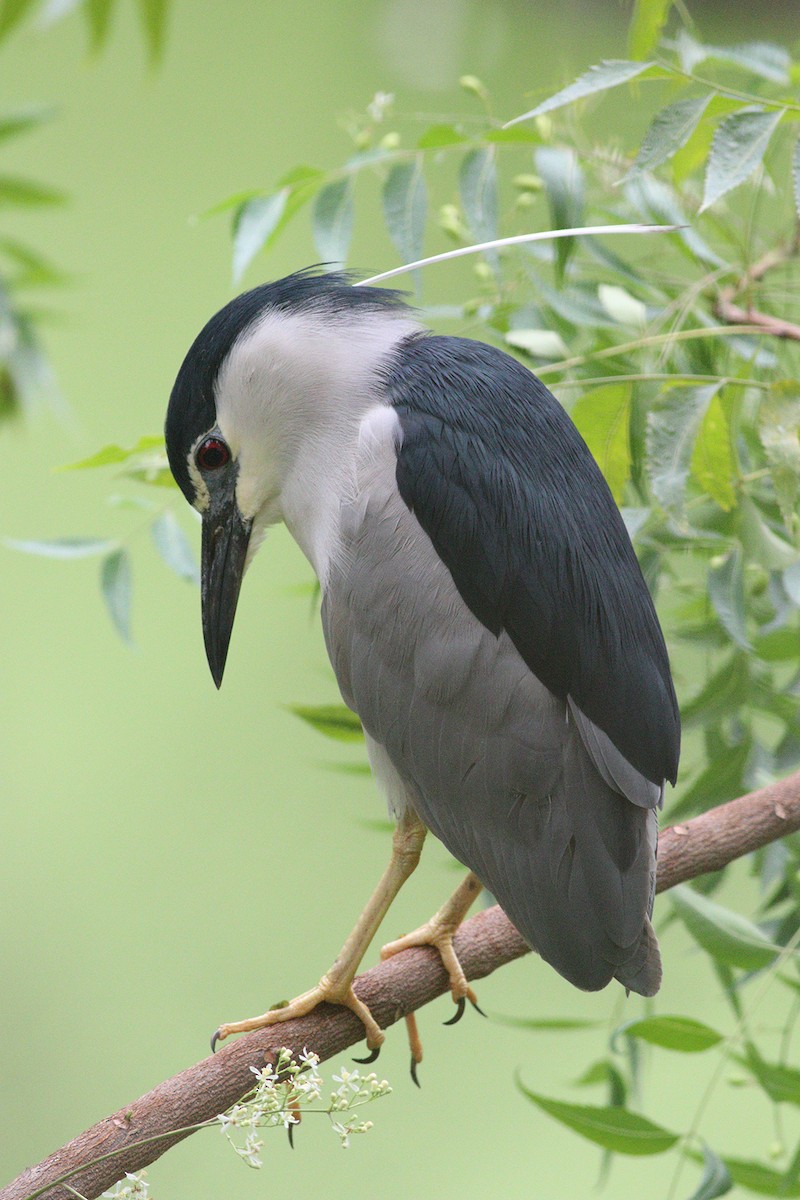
x=439 y=933
x=336 y=985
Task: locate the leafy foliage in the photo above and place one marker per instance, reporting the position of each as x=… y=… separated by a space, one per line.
x=23 y=369
x=97 y=15
x=678 y=362
x=24 y=373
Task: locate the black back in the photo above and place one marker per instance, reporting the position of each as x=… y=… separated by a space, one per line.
x=518 y=510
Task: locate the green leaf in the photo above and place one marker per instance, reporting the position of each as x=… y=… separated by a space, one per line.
x=546 y=1024
x=603 y=420
x=539 y=343
x=65 y=548
x=760 y=1179
x=673 y=1033
x=98 y=18
x=669 y=130
x=254 y=223
x=727 y=981
x=779 y=431
x=658 y=203
x=333 y=720
x=781 y=1083
x=333 y=222
x=716 y=1179
x=720 y=781
x=153 y=16
x=615 y=1129
x=24 y=193
x=762 y=58
x=33 y=267
x=405 y=207
x=597 y=79
x=302 y=176
x=11 y=13
x=739 y=144
x=649 y=18
x=116 y=454
x=115 y=584
x=562 y=177
x=712 y=464
x=439 y=135
x=726 y=591
x=605 y=1072
x=153 y=475
x=598 y=1072
x=14 y=123
x=779 y=645
x=762 y=543
x=303 y=183
x=672 y=429
x=235 y=201
x=173 y=546
x=352 y=769
x=506 y=137
x=728 y=937
x=477 y=182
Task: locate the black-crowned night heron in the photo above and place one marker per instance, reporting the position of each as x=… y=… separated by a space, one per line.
x=483 y=610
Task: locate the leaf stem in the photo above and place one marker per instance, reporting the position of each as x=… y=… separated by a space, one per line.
x=655 y=339
x=724 y=90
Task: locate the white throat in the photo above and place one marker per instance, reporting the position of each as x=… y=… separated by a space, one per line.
x=291 y=398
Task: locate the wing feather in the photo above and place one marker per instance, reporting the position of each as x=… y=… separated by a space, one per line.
x=517 y=509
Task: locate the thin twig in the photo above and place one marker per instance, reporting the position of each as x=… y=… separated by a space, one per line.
x=142 y=1131
x=726 y=308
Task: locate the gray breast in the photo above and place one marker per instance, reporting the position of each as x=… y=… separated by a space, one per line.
x=513 y=781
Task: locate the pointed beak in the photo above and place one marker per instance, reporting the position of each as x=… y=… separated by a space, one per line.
x=226 y=535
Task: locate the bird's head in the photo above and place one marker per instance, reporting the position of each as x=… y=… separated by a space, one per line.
x=266 y=378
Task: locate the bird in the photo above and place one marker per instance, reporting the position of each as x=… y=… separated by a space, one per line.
x=483 y=609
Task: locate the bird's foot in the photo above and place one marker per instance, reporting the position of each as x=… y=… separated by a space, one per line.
x=439 y=933
x=330 y=990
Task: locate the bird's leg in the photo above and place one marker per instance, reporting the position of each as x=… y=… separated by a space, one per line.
x=336 y=985
x=439 y=933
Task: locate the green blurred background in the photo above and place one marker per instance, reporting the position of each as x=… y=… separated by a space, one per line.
x=169 y=855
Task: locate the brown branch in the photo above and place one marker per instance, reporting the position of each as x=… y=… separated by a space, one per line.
x=727 y=310
x=762 y=322
x=143 y=1130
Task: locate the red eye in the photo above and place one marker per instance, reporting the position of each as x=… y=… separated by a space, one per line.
x=212 y=454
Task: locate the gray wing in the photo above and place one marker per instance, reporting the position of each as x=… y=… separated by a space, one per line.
x=516 y=783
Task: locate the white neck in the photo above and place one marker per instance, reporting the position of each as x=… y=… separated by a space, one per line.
x=290 y=400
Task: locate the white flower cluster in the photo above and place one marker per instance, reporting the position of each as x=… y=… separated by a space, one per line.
x=133 y=1187
x=290 y=1088
x=379 y=105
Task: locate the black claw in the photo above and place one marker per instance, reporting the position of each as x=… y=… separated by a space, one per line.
x=290 y=1131
x=214 y=1040
x=461 y=1004
x=371 y=1057
x=414 y=1065
x=478 y=1008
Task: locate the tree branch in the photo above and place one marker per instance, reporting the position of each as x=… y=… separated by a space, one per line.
x=142 y=1131
x=727 y=310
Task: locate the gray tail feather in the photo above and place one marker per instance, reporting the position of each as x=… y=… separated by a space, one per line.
x=642 y=972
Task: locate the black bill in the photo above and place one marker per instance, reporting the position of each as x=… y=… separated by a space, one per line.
x=225 y=539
